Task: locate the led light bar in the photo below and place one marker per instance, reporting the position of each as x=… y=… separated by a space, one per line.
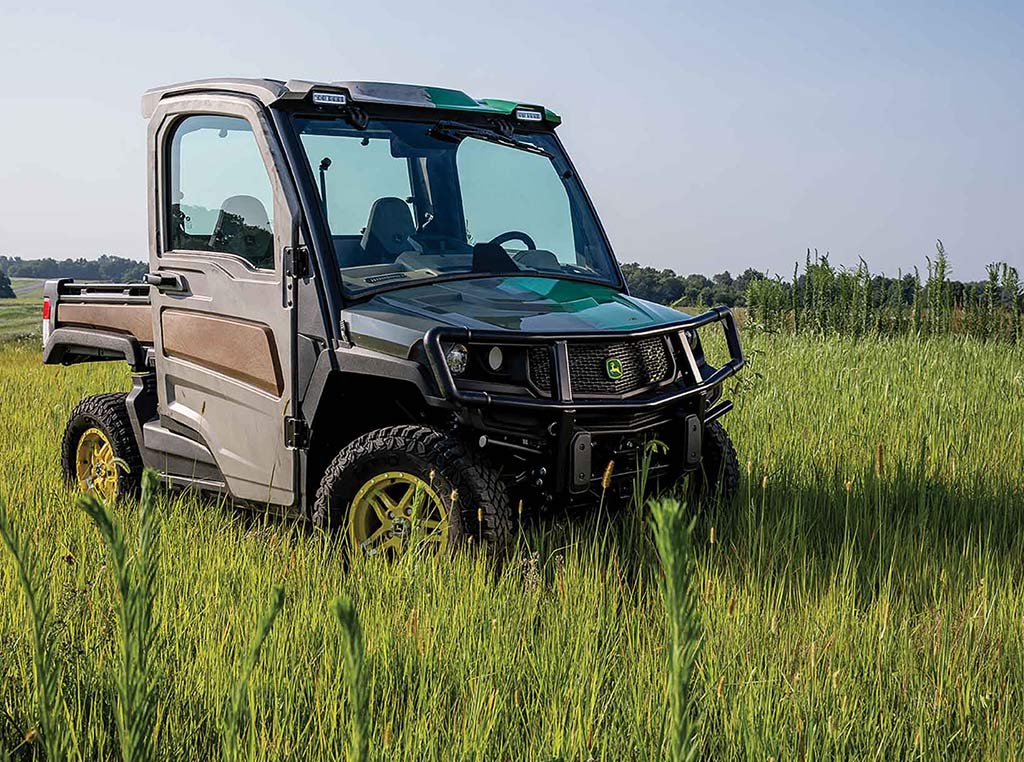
x=526 y=115
x=329 y=99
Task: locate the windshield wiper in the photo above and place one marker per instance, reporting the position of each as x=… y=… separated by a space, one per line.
x=456 y=131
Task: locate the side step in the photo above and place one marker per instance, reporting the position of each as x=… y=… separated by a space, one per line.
x=155 y=437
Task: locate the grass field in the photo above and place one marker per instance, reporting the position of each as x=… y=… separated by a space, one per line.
x=29 y=289
x=21 y=318
x=862 y=599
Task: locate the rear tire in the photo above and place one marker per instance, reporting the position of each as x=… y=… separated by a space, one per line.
x=95 y=420
x=718 y=476
x=480 y=512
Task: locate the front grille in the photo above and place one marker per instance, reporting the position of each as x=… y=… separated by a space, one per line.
x=644 y=363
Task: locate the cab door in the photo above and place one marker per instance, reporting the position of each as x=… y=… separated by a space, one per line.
x=222 y=215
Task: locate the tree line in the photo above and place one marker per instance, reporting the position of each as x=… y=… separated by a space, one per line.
x=665 y=287
x=105 y=268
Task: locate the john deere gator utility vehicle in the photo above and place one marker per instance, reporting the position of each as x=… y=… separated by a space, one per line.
x=391 y=309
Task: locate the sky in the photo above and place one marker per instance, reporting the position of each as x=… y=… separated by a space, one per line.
x=711 y=136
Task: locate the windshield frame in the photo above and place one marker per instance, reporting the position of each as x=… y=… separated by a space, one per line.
x=320 y=228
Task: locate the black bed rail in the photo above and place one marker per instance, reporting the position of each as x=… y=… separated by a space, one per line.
x=81 y=291
x=561 y=398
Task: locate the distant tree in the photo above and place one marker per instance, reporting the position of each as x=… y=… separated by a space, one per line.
x=723 y=280
x=750 y=275
x=6 y=292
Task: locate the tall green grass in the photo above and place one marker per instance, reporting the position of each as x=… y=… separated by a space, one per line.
x=50 y=721
x=673 y=538
x=135 y=581
x=824 y=300
x=862 y=597
x=236 y=716
x=358 y=749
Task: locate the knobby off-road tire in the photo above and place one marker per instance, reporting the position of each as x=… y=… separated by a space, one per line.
x=109 y=414
x=718 y=477
x=481 y=513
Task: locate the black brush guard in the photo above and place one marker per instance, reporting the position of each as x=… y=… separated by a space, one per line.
x=573 y=468
x=561 y=399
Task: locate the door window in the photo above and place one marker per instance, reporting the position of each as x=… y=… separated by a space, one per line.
x=220 y=196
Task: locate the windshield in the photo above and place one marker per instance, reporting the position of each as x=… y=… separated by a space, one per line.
x=407 y=202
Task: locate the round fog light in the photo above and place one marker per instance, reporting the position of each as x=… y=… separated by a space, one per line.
x=457 y=358
x=495 y=358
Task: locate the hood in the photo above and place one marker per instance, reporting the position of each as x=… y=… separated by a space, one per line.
x=517 y=303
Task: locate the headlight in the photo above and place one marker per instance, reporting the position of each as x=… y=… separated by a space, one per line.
x=457 y=358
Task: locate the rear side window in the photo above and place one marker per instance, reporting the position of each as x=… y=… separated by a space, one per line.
x=220 y=193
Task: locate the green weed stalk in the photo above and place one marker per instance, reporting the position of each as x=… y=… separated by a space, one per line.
x=46 y=668
x=356 y=679
x=673 y=538
x=136 y=581
x=236 y=717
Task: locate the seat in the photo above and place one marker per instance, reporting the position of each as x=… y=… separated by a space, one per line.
x=387 y=230
x=243 y=228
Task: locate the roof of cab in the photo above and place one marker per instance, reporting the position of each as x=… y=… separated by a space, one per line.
x=271 y=91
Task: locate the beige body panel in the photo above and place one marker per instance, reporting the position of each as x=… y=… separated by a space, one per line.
x=133 y=319
x=239 y=349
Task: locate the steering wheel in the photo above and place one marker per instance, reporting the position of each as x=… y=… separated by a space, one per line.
x=442 y=242
x=514 y=235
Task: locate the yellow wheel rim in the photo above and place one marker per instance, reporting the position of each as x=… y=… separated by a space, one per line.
x=96 y=465
x=394 y=511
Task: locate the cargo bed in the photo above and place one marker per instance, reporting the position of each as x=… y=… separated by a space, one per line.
x=92 y=322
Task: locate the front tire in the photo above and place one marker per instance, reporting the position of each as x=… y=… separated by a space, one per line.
x=404 y=483
x=99 y=453
x=718 y=477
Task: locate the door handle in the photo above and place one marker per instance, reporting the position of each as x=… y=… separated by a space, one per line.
x=165 y=283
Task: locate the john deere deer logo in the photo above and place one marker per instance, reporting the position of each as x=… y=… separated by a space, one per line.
x=613 y=366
